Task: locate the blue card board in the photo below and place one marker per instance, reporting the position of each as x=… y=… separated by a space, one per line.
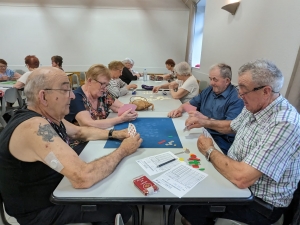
x=152 y=131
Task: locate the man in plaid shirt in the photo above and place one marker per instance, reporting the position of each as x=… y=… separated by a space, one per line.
x=265 y=153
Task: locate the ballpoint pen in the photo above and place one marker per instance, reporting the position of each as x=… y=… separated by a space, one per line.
x=166 y=162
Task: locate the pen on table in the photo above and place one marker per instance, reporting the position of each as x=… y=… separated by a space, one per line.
x=166 y=162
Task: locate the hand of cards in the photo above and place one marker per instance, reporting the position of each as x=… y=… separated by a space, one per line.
x=131 y=130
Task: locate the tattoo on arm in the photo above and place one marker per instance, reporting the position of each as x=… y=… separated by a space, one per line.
x=47 y=132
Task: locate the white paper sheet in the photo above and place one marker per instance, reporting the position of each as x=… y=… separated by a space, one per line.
x=180 y=179
x=150 y=164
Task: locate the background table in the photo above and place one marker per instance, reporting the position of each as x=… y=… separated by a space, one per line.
x=148 y=82
x=119 y=188
x=7 y=84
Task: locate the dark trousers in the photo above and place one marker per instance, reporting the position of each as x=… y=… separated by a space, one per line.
x=63 y=214
x=201 y=215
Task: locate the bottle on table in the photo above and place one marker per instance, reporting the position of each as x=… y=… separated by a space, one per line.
x=145 y=75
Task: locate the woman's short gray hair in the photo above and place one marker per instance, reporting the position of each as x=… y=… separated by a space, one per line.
x=225 y=70
x=183 y=69
x=128 y=60
x=264 y=73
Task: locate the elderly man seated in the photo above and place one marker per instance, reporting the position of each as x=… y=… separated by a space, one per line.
x=185 y=87
x=35 y=155
x=219 y=101
x=265 y=153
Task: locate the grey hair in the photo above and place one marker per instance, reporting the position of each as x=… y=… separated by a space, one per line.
x=128 y=60
x=183 y=69
x=225 y=70
x=264 y=73
x=34 y=85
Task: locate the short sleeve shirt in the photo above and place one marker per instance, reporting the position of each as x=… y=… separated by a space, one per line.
x=269 y=141
x=81 y=103
x=190 y=85
x=24 y=77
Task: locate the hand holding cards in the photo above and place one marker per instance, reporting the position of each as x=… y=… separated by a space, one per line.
x=126 y=107
x=131 y=130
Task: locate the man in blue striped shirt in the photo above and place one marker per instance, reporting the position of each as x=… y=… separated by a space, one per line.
x=265 y=153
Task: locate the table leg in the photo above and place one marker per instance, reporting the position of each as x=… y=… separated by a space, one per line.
x=171 y=214
x=135 y=214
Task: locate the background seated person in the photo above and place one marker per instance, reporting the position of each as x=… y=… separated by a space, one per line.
x=219 y=101
x=170 y=64
x=186 y=84
x=265 y=155
x=57 y=61
x=37 y=136
x=117 y=87
x=134 y=72
x=92 y=103
x=7 y=74
x=31 y=62
x=127 y=74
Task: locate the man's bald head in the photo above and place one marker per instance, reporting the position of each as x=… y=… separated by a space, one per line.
x=41 y=79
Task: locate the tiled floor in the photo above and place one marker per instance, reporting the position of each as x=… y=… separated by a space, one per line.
x=153 y=215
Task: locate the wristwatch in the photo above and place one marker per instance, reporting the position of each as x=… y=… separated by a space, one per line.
x=208 y=152
x=110 y=134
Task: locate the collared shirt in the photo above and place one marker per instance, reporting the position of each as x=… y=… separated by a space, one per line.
x=269 y=141
x=225 y=106
x=117 y=88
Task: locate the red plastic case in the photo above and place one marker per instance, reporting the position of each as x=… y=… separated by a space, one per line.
x=145 y=185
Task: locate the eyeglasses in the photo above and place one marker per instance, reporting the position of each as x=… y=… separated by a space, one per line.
x=3 y=66
x=50 y=89
x=105 y=85
x=254 y=89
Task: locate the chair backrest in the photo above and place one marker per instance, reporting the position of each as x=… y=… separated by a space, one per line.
x=12 y=95
x=203 y=84
x=119 y=220
x=82 y=78
x=75 y=81
x=3 y=220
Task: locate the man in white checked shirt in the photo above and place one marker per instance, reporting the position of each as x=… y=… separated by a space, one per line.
x=265 y=153
x=117 y=87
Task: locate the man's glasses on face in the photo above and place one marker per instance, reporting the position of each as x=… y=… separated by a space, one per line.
x=104 y=85
x=254 y=89
x=3 y=66
x=64 y=90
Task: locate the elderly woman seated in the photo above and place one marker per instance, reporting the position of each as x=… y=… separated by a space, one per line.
x=31 y=62
x=128 y=74
x=92 y=102
x=170 y=64
x=117 y=87
x=7 y=74
x=57 y=61
x=186 y=84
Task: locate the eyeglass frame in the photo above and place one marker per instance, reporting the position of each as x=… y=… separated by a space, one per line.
x=102 y=84
x=254 y=89
x=56 y=89
x=5 y=66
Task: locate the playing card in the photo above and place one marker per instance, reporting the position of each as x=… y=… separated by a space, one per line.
x=125 y=107
x=131 y=130
x=188 y=107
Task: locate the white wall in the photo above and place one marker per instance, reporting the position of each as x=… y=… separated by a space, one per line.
x=84 y=34
x=267 y=29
